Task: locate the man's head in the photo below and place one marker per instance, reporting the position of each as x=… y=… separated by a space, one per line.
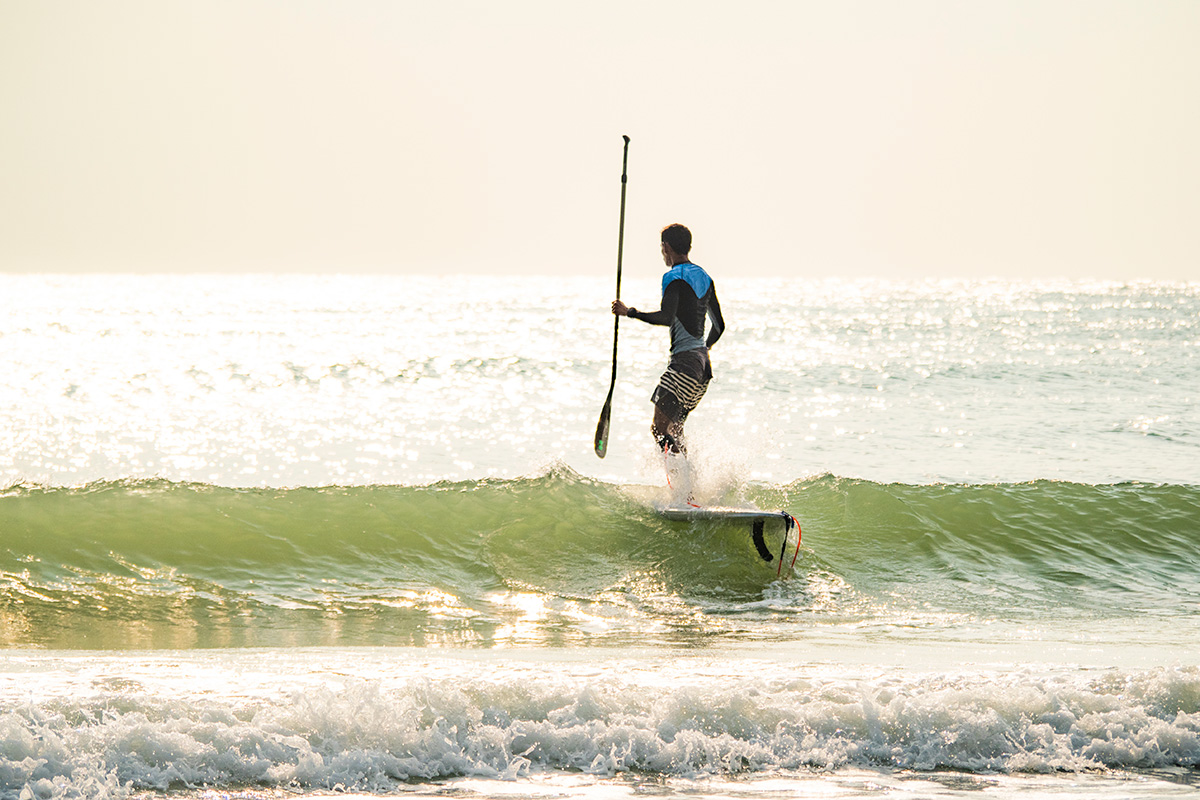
x=678 y=238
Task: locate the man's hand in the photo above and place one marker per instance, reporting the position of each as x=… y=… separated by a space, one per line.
x=620 y=309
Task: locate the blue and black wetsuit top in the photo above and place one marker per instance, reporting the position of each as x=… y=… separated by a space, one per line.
x=689 y=295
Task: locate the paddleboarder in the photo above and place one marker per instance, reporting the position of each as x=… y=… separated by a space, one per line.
x=689 y=296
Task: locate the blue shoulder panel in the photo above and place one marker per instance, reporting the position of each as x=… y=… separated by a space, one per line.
x=696 y=277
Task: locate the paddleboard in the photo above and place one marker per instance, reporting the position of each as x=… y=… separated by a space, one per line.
x=687 y=513
x=778 y=551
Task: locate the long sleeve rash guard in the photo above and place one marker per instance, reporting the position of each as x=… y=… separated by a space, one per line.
x=689 y=296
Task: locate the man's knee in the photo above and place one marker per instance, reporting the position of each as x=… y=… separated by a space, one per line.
x=667 y=433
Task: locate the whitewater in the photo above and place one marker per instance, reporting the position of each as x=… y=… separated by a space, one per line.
x=278 y=536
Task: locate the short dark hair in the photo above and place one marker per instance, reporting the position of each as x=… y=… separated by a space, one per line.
x=678 y=237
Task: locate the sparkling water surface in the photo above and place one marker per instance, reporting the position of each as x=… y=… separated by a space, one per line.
x=287 y=380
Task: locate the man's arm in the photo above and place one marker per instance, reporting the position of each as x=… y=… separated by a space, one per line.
x=714 y=316
x=664 y=315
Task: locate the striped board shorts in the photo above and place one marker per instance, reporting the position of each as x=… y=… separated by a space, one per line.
x=683 y=385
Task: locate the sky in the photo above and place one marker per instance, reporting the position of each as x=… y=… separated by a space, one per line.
x=811 y=138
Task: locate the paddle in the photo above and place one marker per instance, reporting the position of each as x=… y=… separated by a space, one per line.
x=606 y=412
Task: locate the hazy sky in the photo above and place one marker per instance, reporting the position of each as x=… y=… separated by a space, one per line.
x=905 y=139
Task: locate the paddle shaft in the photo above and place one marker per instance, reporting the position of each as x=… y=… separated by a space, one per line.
x=620 y=253
x=601 y=442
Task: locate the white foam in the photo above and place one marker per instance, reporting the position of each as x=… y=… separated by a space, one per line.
x=750 y=718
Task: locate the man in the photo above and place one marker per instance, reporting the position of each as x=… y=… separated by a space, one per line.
x=688 y=297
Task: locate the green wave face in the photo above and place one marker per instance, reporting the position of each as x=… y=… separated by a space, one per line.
x=559 y=559
x=1042 y=549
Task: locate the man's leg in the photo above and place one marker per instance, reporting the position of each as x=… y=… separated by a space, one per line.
x=668 y=433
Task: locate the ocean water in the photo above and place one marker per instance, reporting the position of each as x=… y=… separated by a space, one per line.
x=296 y=536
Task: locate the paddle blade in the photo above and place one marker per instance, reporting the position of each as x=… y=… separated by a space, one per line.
x=602 y=428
